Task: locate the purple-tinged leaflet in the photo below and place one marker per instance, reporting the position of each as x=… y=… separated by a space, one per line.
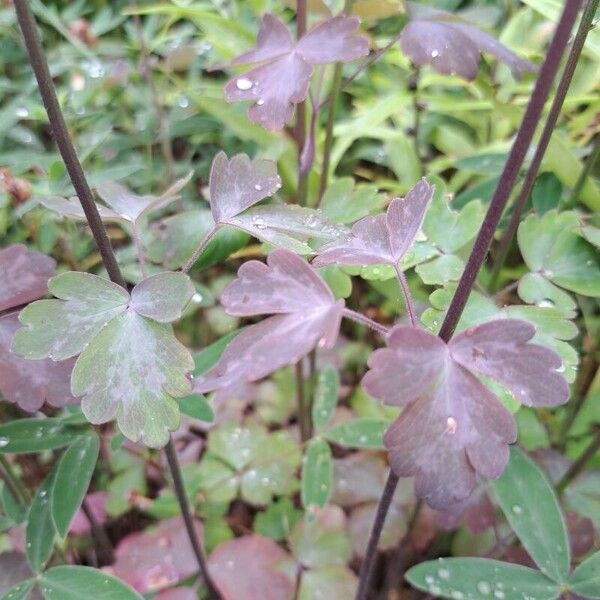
x=452 y=426
x=282 y=79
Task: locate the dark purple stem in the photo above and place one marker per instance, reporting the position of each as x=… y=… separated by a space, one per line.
x=60 y=132
x=512 y=167
x=65 y=145
x=366 y=569
x=484 y=239
x=561 y=92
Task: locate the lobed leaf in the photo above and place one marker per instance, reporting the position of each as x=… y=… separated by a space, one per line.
x=250 y=567
x=383 y=238
x=27 y=383
x=451 y=45
x=452 y=426
x=308 y=316
x=282 y=79
x=25 y=275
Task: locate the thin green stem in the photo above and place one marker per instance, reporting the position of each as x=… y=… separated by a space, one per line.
x=162 y=124
x=585 y=173
x=304 y=413
x=561 y=93
x=13 y=481
x=577 y=467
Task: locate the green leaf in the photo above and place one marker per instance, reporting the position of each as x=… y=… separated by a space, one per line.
x=19 y=591
x=317 y=475
x=483 y=164
x=83 y=583
x=536 y=289
x=344 y=203
x=359 y=433
x=448 y=229
x=585 y=581
x=73 y=475
x=277 y=520
x=338 y=280
x=262 y=464
x=552 y=246
x=209 y=357
x=16 y=512
x=34 y=435
x=40 y=532
x=162 y=297
x=325 y=398
x=172 y=241
x=334 y=583
x=440 y=270
x=530 y=506
x=322 y=541
x=457 y=578
x=59 y=329
x=546 y=193
x=133 y=370
x=197 y=407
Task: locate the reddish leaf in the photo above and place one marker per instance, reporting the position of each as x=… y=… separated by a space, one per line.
x=383 y=238
x=452 y=46
x=283 y=78
x=24 y=275
x=181 y=593
x=152 y=560
x=453 y=427
x=477 y=512
x=30 y=383
x=247 y=568
x=96 y=502
x=308 y=316
x=238 y=183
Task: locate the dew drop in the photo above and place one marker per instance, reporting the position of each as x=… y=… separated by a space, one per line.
x=484 y=588
x=258 y=187
x=457 y=595
x=429 y=579
x=22 y=112
x=498 y=594
x=4 y=441
x=451 y=425
x=243 y=83
x=260 y=101
x=517 y=509
x=435 y=53
x=444 y=574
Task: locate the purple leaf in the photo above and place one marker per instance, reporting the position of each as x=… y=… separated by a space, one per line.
x=477 y=512
x=452 y=427
x=238 y=183
x=152 y=560
x=96 y=502
x=285 y=284
x=283 y=78
x=452 y=46
x=382 y=238
x=31 y=383
x=24 y=275
x=247 y=567
x=307 y=316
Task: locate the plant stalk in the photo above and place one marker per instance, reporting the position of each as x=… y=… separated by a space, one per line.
x=198 y=251
x=60 y=132
x=364 y=320
x=65 y=145
x=577 y=467
x=585 y=26
x=304 y=412
x=511 y=169
x=408 y=299
x=336 y=87
x=300 y=127
x=13 y=482
x=587 y=169
x=186 y=513
x=485 y=236
x=105 y=546
x=366 y=568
